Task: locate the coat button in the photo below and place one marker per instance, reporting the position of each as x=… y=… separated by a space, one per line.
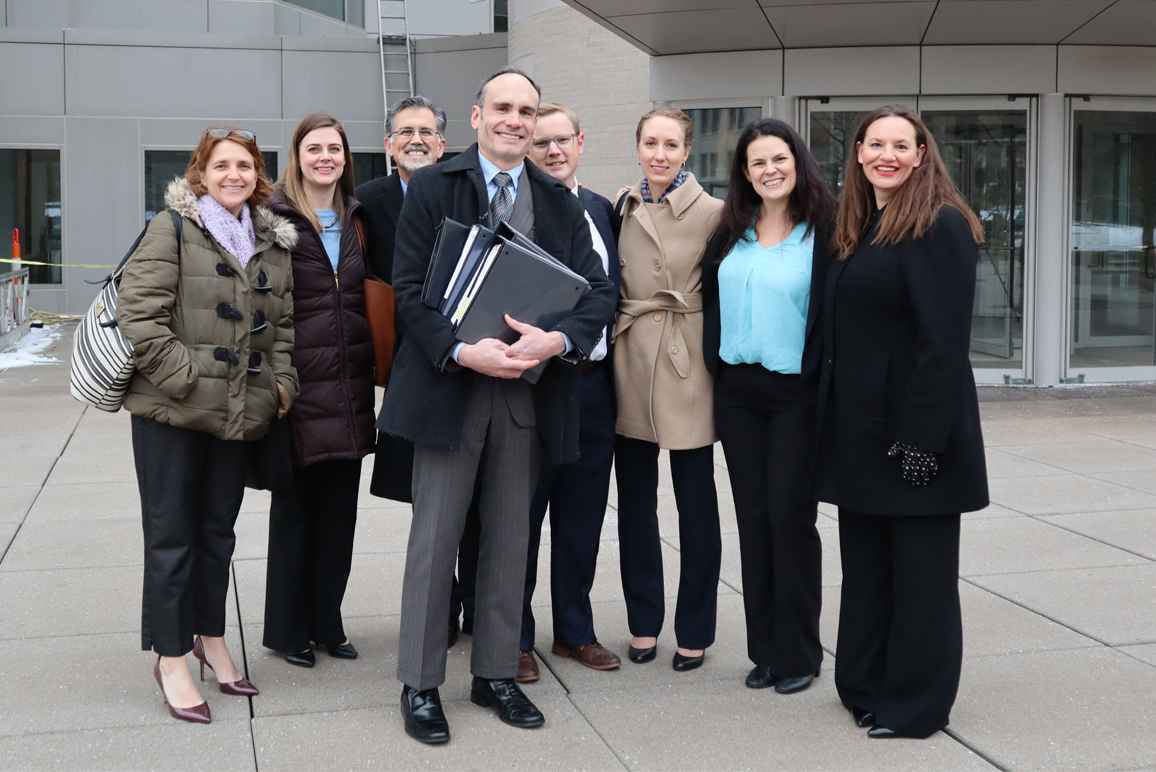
x=658 y=316
x=674 y=349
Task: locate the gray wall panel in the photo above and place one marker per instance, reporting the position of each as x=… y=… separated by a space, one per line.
x=39 y=87
x=451 y=79
x=242 y=17
x=288 y=21
x=174 y=15
x=1107 y=70
x=31 y=131
x=114 y=80
x=852 y=71
x=716 y=76
x=346 y=85
x=38 y=13
x=185 y=132
x=989 y=69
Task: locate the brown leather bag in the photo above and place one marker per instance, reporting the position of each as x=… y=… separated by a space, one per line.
x=379 y=310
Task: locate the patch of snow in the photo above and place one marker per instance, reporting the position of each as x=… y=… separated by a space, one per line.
x=30 y=349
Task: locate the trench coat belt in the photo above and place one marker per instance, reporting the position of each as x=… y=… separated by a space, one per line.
x=661 y=304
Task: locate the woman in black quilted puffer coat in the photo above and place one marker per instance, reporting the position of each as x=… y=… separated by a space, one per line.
x=312 y=517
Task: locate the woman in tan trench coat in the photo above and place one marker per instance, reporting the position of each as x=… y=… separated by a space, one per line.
x=664 y=392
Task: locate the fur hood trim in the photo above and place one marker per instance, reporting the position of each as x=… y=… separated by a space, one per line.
x=180 y=198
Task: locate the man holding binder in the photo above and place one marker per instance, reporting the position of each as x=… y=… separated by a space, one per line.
x=575 y=493
x=470 y=414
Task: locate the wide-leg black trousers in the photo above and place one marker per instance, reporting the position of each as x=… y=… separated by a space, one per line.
x=311 y=531
x=900 y=646
x=191 y=486
x=766 y=422
x=700 y=543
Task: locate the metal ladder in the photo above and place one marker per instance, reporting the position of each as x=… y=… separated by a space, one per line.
x=393 y=43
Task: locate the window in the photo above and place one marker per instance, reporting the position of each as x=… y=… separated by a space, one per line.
x=30 y=209
x=333 y=8
x=716 y=131
x=161 y=166
x=368 y=166
x=501 y=16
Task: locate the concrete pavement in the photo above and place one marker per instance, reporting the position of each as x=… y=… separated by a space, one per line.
x=1058 y=580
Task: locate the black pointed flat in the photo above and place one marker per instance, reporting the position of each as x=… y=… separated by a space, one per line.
x=638 y=656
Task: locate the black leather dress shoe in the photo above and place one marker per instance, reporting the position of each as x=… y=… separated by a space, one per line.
x=682 y=663
x=508 y=701
x=303 y=658
x=862 y=716
x=425 y=721
x=881 y=733
x=638 y=656
x=760 y=677
x=344 y=650
x=796 y=684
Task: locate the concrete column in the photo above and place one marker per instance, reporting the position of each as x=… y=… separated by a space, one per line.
x=1046 y=325
x=786 y=109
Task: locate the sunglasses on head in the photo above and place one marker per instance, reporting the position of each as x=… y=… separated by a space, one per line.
x=247 y=136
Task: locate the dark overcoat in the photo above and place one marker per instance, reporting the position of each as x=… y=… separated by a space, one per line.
x=897 y=328
x=426 y=399
x=381 y=201
x=332 y=418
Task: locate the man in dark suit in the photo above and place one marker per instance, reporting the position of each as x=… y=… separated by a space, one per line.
x=470 y=415
x=576 y=493
x=416 y=140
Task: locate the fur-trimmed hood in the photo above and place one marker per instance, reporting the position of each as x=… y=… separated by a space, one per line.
x=180 y=198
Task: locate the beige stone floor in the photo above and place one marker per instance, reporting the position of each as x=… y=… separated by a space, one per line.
x=1058 y=581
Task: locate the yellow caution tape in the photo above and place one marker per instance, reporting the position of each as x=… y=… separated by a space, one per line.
x=56 y=265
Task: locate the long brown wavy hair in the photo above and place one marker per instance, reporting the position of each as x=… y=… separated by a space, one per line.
x=914 y=206
x=292 y=183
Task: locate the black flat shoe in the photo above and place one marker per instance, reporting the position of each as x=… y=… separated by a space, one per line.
x=344 y=650
x=862 y=716
x=425 y=721
x=507 y=700
x=682 y=664
x=638 y=656
x=796 y=684
x=760 y=677
x=303 y=658
x=881 y=733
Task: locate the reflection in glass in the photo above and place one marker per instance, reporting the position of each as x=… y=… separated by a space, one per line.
x=30 y=201
x=1113 y=258
x=831 y=135
x=986 y=155
x=716 y=132
x=161 y=166
x=368 y=166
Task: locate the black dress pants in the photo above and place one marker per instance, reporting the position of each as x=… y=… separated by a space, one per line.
x=900 y=645
x=576 y=496
x=700 y=543
x=766 y=422
x=311 y=531
x=191 y=486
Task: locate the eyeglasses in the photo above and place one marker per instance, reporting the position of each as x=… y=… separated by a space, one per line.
x=563 y=141
x=247 y=136
x=409 y=133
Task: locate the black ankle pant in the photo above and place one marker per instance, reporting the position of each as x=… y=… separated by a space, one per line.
x=766 y=422
x=700 y=544
x=191 y=486
x=311 y=530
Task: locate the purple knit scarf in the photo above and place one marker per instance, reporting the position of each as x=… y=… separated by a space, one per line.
x=235 y=235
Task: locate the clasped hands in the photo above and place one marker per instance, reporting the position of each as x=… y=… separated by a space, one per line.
x=492 y=357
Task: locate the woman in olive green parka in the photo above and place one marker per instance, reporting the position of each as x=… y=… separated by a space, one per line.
x=211 y=323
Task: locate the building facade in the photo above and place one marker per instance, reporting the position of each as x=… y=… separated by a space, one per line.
x=101 y=104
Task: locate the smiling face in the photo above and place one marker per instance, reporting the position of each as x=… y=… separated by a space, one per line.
x=505 y=120
x=662 y=150
x=888 y=155
x=414 y=141
x=230 y=176
x=771 y=169
x=557 y=148
x=322 y=157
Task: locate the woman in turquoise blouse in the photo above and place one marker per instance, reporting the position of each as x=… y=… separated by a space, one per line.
x=763 y=267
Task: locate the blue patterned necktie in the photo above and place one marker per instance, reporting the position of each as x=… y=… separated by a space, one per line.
x=502 y=205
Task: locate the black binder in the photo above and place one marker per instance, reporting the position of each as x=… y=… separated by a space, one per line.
x=451 y=239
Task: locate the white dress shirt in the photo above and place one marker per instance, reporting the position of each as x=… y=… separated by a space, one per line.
x=600 y=349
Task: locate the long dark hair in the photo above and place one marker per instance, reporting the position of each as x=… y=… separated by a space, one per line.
x=810 y=202
x=913 y=207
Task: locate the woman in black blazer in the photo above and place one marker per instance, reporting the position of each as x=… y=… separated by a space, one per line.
x=763 y=274
x=901 y=452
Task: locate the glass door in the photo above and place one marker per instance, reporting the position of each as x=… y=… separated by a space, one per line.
x=984 y=143
x=829 y=127
x=1112 y=266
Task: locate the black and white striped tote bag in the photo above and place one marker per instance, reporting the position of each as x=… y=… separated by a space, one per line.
x=102 y=362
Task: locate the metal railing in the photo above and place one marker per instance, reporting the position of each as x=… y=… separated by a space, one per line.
x=13 y=305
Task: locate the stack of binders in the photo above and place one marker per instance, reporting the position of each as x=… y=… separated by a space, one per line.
x=477 y=275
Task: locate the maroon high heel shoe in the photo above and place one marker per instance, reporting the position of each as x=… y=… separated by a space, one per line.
x=198 y=714
x=242 y=687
